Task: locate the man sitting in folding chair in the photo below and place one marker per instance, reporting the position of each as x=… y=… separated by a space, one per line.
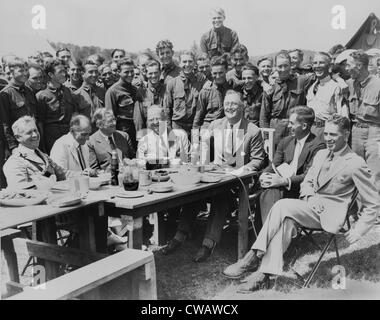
x=324 y=196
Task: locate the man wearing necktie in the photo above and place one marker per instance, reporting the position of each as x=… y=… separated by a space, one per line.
x=296 y=151
x=324 y=197
x=71 y=151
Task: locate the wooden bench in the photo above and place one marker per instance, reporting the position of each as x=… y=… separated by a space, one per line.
x=133 y=269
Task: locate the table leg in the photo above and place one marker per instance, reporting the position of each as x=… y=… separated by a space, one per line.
x=243 y=222
x=87 y=230
x=47 y=232
x=135 y=236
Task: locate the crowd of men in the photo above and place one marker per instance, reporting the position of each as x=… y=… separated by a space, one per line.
x=61 y=116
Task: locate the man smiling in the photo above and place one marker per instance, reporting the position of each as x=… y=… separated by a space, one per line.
x=325 y=193
x=219 y=39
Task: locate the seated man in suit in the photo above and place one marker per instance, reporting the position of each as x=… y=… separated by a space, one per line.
x=237 y=143
x=106 y=139
x=71 y=151
x=27 y=163
x=160 y=142
x=325 y=193
x=294 y=153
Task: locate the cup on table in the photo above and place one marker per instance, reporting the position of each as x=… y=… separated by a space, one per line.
x=81 y=184
x=145 y=177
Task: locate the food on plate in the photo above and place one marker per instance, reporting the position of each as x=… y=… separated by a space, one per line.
x=7 y=195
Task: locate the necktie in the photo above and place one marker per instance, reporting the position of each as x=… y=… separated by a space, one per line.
x=316 y=87
x=112 y=143
x=326 y=166
x=297 y=152
x=81 y=158
x=230 y=141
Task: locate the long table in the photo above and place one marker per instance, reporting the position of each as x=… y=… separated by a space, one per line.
x=93 y=237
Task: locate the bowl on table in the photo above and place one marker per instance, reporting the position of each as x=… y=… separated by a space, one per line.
x=185 y=179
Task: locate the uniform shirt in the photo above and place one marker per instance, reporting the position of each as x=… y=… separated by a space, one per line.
x=150 y=95
x=89 y=99
x=325 y=98
x=174 y=144
x=364 y=99
x=55 y=106
x=15 y=102
x=120 y=99
x=210 y=103
x=285 y=95
x=73 y=87
x=252 y=103
x=169 y=72
x=215 y=42
x=234 y=79
x=181 y=97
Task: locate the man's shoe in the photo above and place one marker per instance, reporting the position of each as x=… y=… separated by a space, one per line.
x=250 y=262
x=202 y=254
x=256 y=281
x=172 y=246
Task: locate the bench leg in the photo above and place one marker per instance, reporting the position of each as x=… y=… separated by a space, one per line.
x=144 y=286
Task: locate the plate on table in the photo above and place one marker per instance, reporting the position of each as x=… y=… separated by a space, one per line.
x=66 y=201
x=208 y=178
x=130 y=194
x=162 y=187
x=209 y=167
x=61 y=186
x=24 y=198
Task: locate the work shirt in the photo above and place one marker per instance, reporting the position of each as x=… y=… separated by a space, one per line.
x=364 y=99
x=252 y=103
x=73 y=87
x=286 y=94
x=181 y=97
x=210 y=103
x=234 y=79
x=150 y=95
x=215 y=42
x=169 y=72
x=15 y=102
x=56 y=106
x=325 y=98
x=120 y=99
x=89 y=99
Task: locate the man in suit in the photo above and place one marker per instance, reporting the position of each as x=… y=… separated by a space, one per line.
x=27 y=163
x=237 y=143
x=296 y=152
x=71 y=151
x=324 y=197
x=106 y=139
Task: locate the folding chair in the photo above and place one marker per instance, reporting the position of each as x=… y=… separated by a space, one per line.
x=332 y=238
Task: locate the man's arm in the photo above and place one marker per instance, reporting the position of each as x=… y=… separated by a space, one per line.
x=307 y=186
x=235 y=40
x=201 y=109
x=168 y=102
x=93 y=159
x=5 y=106
x=203 y=44
x=279 y=157
x=41 y=112
x=266 y=109
x=15 y=171
x=257 y=153
x=59 y=155
x=110 y=102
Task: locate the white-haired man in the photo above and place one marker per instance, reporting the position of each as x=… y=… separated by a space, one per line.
x=27 y=162
x=159 y=142
x=71 y=151
x=219 y=39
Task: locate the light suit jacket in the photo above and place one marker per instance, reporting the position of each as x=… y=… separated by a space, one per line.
x=19 y=170
x=65 y=154
x=248 y=144
x=347 y=172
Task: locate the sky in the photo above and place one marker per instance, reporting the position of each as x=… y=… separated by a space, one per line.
x=263 y=26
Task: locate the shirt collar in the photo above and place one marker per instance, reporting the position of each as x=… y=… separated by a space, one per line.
x=303 y=140
x=105 y=137
x=325 y=80
x=236 y=126
x=365 y=81
x=25 y=150
x=339 y=153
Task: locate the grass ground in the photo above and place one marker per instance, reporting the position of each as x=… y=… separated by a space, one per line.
x=178 y=278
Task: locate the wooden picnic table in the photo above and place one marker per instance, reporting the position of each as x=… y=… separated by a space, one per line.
x=137 y=208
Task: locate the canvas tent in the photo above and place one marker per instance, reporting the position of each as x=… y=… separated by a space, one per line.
x=23 y=45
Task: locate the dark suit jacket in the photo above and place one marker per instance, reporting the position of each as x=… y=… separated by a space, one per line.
x=100 y=149
x=285 y=152
x=249 y=144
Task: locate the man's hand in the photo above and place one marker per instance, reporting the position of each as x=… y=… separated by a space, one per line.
x=315 y=204
x=352 y=236
x=272 y=180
